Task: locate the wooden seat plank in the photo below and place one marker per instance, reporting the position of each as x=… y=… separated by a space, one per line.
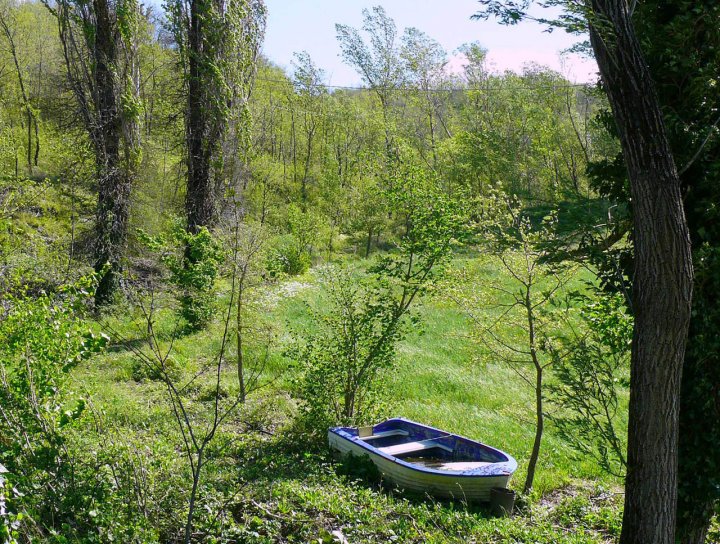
x=383 y=434
x=412 y=447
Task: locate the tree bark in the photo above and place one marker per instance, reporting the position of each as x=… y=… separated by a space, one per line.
x=113 y=188
x=201 y=136
x=92 y=30
x=662 y=282
x=539 y=415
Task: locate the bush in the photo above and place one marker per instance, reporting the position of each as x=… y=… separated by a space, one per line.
x=289 y=257
x=10 y=520
x=341 y=365
x=41 y=340
x=593 y=368
x=141 y=371
x=193 y=261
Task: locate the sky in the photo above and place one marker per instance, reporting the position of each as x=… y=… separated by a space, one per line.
x=309 y=25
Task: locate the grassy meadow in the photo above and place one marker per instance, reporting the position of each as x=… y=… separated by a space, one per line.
x=272 y=485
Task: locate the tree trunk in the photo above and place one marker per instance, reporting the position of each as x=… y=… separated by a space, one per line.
x=239 y=324
x=201 y=139
x=539 y=428
x=539 y=416
x=662 y=282
x=114 y=183
x=193 y=496
x=91 y=30
x=368 y=245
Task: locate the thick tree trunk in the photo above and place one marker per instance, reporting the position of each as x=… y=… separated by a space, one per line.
x=662 y=282
x=114 y=182
x=91 y=30
x=201 y=139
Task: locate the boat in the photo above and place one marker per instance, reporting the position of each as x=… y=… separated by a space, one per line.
x=423 y=459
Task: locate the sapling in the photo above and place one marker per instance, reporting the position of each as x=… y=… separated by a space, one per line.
x=344 y=360
x=198 y=428
x=513 y=317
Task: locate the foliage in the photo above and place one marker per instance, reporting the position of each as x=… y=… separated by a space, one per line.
x=217 y=44
x=142 y=372
x=592 y=371
x=193 y=261
x=43 y=339
x=343 y=364
x=9 y=519
x=287 y=257
x=391 y=171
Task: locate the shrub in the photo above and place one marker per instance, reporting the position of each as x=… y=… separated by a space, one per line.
x=10 y=520
x=341 y=365
x=41 y=340
x=343 y=362
x=193 y=261
x=594 y=367
x=289 y=257
x=142 y=372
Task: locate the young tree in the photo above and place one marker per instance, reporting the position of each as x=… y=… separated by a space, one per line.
x=343 y=362
x=198 y=426
x=99 y=41
x=519 y=330
x=248 y=242
x=218 y=44
x=8 y=26
x=308 y=100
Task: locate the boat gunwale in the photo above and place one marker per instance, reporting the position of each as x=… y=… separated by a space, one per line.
x=500 y=468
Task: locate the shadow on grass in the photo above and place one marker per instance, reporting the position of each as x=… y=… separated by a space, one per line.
x=286 y=458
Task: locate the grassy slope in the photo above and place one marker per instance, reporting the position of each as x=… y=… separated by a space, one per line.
x=293 y=495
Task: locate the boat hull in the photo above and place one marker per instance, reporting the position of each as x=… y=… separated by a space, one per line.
x=455 y=485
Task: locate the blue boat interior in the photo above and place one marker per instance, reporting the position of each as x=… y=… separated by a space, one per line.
x=425 y=446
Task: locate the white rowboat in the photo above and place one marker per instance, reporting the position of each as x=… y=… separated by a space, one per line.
x=423 y=459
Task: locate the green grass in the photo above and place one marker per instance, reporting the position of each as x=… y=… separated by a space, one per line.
x=280 y=490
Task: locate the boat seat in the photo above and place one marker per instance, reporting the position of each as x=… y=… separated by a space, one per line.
x=413 y=447
x=464 y=465
x=383 y=434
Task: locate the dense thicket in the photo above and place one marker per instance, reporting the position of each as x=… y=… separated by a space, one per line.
x=322 y=148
